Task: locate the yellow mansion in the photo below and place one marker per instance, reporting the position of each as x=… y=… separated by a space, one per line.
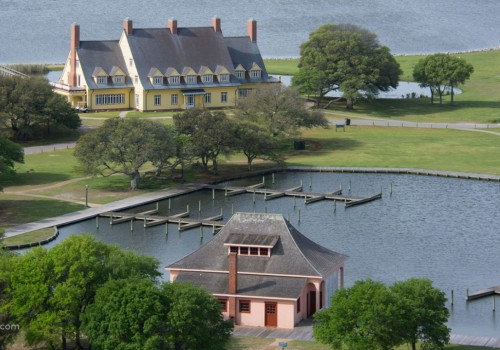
x=167 y=68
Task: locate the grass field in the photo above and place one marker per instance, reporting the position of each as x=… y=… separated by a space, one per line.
x=30 y=237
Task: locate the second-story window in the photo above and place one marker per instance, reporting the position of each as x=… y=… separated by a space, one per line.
x=191 y=79
x=174 y=80
x=255 y=74
x=118 y=79
x=158 y=80
x=224 y=78
x=102 y=79
x=207 y=78
x=240 y=74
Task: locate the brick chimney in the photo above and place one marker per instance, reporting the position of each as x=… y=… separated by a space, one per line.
x=232 y=284
x=216 y=24
x=128 y=27
x=172 y=25
x=252 y=29
x=73 y=46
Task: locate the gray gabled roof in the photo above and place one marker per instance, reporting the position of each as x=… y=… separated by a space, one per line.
x=190 y=47
x=105 y=55
x=246 y=52
x=292 y=255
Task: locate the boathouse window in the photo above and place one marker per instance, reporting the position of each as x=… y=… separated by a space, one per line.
x=223 y=305
x=245 y=306
x=254 y=251
x=264 y=251
x=243 y=250
x=298 y=305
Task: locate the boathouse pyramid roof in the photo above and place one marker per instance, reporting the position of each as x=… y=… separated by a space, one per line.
x=293 y=259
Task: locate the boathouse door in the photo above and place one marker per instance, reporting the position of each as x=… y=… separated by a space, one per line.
x=271 y=318
x=312 y=303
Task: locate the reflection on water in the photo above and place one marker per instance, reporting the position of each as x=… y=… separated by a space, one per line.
x=439 y=228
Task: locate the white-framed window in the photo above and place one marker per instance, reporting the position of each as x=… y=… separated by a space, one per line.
x=136 y=79
x=110 y=99
x=102 y=79
x=208 y=98
x=174 y=80
x=240 y=74
x=224 y=78
x=255 y=74
x=158 y=80
x=173 y=99
x=244 y=92
x=191 y=79
x=118 y=79
x=157 y=100
x=207 y=78
x=223 y=97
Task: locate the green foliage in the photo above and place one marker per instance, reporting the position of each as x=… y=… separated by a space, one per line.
x=49 y=290
x=370 y=315
x=124 y=146
x=6 y=259
x=194 y=319
x=211 y=134
x=29 y=106
x=279 y=110
x=347 y=58
x=10 y=153
x=30 y=69
x=127 y=314
x=440 y=72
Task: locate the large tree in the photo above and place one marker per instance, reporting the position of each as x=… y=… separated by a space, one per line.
x=49 y=290
x=211 y=134
x=10 y=153
x=128 y=314
x=124 y=146
x=370 y=315
x=194 y=319
x=6 y=318
x=29 y=105
x=440 y=72
x=348 y=58
x=279 y=110
x=425 y=306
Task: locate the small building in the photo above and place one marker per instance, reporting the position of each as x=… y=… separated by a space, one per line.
x=156 y=69
x=263 y=271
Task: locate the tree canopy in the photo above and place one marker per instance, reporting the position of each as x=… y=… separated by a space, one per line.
x=348 y=58
x=371 y=315
x=279 y=110
x=440 y=72
x=10 y=153
x=29 y=106
x=124 y=146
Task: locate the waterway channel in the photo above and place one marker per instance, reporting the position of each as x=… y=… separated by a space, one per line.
x=441 y=228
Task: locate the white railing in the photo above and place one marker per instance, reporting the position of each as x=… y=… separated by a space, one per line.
x=66 y=87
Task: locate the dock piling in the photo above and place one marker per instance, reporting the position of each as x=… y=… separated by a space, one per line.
x=272 y=178
x=452 y=298
x=169 y=204
x=349 y=186
x=494 y=303
x=111 y=219
x=254 y=197
x=232 y=208
x=294 y=202
x=187 y=209
x=225 y=191
x=166 y=228
x=144 y=221
x=310 y=181
x=97 y=222
x=157 y=206
x=263 y=180
x=201 y=231
x=213 y=194
x=132 y=225
x=334 y=206
x=299 y=216
x=390 y=190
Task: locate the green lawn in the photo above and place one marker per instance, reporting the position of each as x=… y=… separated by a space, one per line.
x=137 y=114
x=283 y=66
x=30 y=237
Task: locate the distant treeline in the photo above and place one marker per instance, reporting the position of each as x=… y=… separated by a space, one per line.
x=30 y=69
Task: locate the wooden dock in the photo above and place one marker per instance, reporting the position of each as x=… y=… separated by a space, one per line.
x=309 y=197
x=484 y=293
x=182 y=219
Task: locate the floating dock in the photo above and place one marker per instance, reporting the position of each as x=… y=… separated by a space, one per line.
x=484 y=293
x=309 y=197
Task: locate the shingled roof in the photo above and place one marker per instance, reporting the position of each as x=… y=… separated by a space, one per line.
x=292 y=255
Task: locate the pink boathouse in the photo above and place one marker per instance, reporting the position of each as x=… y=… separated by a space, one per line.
x=263 y=271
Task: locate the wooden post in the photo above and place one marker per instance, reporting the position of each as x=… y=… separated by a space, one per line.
x=220 y=211
x=467 y=293
x=157 y=206
x=179 y=228
x=111 y=219
x=452 y=298
x=253 y=196
x=265 y=194
x=232 y=208
x=294 y=202
x=225 y=191
x=166 y=228
x=213 y=194
x=213 y=229
x=272 y=177
x=169 y=204
x=97 y=222
x=132 y=225
x=334 y=206
x=201 y=231
x=390 y=191
x=494 y=303
x=263 y=180
x=349 y=186
x=299 y=216
x=310 y=181
x=187 y=208
x=301 y=185
x=144 y=221
x=341 y=187
x=199 y=206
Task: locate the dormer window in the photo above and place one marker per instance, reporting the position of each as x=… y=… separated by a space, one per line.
x=240 y=74
x=118 y=79
x=191 y=79
x=207 y=78
x=157 y=80
x=224 y=78
x=174 y=80
x=251 y=244
x=255 y=74
x=102 y=79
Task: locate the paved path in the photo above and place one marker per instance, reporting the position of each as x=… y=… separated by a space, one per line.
x=92 y=212
x=304 y=332
x=49 y=148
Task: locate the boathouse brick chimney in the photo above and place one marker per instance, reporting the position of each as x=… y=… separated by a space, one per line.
x=172 y=25
x=252 y=29
x=128 y=26
x=74 y=45
x=232 y=284
x=216 y=24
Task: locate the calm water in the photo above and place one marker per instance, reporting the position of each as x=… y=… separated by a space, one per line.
x=442 y=229
x=38 y=31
